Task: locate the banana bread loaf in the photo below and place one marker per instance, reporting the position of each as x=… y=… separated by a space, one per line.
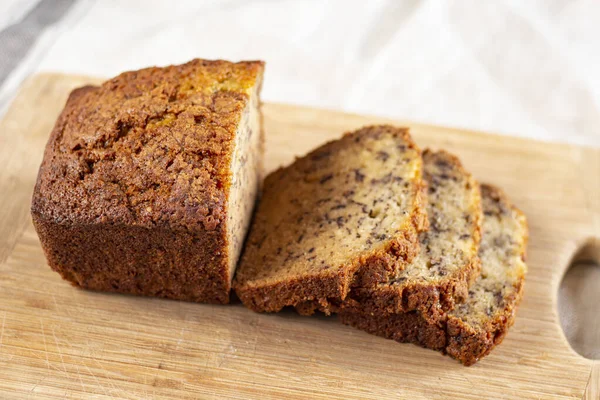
x=347 y=213
x=473 y=328
x=148 y=181
x=447 y=264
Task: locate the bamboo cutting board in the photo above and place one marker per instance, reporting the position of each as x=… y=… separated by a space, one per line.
x=60 y=342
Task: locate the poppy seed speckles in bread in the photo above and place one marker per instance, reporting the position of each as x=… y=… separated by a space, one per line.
x=347 y=213
x=475 y=327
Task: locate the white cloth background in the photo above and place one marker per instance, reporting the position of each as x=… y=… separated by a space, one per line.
x=526 y=68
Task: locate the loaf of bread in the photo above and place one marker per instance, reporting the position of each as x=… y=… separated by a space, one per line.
x=473 y=328
x=447 y=264
x=347 y=213
x=148 y=181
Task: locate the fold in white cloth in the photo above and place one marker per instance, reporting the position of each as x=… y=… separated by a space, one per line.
x=523 y=68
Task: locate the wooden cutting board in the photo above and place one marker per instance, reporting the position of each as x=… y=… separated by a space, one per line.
x=58 y=341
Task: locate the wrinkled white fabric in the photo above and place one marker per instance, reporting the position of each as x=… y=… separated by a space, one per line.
x=522 y=68
x=11 y=11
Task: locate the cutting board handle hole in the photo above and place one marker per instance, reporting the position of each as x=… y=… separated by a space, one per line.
x=579 y=314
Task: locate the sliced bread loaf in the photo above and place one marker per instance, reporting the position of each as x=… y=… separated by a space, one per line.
x=447 y=263
x=347 y=213
x=475 y=327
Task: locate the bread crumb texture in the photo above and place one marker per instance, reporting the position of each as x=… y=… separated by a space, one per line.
x=350 y=211
x=447 y=264
x=473 y=328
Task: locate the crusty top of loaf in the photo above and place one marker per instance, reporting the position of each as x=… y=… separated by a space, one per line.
x=334 y=207
x=148 y=147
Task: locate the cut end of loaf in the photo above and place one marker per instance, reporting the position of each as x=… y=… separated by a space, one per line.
x=246 y=177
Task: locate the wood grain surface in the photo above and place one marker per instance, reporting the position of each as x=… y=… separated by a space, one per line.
x=60 y=342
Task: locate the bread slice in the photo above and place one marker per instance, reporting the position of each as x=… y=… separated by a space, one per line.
x=149 y=180
x=475 y=327
x=447 y=263
x=348 y=212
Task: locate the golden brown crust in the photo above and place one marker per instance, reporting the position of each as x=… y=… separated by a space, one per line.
x=430 y=299
x=274 y=297
x=370 y=267
x=136 y=260
x=148 y=151
x=451 y=334
x=152 y=146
